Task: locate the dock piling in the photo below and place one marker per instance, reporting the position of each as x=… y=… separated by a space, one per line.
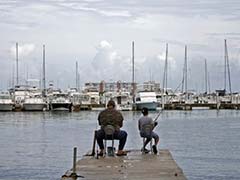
x=74 y=159
x=73 y=175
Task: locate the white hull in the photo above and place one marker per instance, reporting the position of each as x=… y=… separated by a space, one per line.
x=124 y=107
x=150 y=105
x=34 y=107
x=6 y=107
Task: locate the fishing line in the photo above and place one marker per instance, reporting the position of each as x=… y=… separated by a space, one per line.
x=156 y=118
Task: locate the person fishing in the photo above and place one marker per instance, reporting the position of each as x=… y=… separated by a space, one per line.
x=146 y=120
x=110 y=116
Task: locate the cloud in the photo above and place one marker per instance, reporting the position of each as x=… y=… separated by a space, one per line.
x=104 y=45
x=23 y=49
x=107 y=64
x=88 y=6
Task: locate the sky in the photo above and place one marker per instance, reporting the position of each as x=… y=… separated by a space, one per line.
x=98 y=34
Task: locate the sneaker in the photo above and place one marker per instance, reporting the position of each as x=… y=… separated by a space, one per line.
x=155 y=151
x=145 y=150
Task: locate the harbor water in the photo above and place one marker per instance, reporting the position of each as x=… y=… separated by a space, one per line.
x=39 y=145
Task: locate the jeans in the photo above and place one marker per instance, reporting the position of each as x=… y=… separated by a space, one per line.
x=149 y=136
x=120 y=135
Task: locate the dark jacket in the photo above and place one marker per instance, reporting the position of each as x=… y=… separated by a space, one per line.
x=110 y=117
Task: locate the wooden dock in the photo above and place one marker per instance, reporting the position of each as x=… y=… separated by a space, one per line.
x=183 y=106
x=134 y=166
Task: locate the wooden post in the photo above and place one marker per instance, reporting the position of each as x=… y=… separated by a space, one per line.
x=74 y=159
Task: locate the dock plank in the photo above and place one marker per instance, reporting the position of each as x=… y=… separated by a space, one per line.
x=134 y=166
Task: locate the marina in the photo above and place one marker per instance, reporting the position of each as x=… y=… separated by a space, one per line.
x=95 y=96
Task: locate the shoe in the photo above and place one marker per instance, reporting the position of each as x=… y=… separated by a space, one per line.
x=100 y=153
x=145 y=150
x=121 y=153
x=155 y=151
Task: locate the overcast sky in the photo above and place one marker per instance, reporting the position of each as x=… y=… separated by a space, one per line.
x=98 y=34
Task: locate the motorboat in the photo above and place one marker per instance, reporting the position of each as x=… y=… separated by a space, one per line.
x=146 y=99
x=35 y=103
x=6 y=103
x=60 y=102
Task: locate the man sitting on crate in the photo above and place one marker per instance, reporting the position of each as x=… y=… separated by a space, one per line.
x=147 y=121
x=111 y=116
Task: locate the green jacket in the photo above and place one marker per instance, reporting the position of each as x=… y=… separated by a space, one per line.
x=110 y=117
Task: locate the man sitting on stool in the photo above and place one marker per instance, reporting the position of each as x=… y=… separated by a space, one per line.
x=111 y=116
x=145 y=120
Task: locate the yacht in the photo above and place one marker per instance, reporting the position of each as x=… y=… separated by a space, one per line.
x=34 y=103
x=75 y=98
x=60 y=102
x=123 y=100
x=6 y=103
x=146 y=99
x=20 y=92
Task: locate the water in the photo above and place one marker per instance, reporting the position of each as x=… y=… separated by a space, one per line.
x=39 y=145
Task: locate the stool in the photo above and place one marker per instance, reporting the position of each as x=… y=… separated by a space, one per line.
x=109 y=132
x=147 y=132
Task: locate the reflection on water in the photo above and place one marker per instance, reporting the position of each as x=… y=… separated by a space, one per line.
x=38 y=145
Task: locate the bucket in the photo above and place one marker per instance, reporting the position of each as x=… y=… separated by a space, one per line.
x=110 y=151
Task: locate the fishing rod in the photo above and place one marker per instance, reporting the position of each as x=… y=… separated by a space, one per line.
x=156 y=118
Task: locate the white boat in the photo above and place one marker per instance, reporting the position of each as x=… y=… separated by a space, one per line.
x=123 y=100
x=75 y=99
x=146 y=99
x=60 y=102
x=36 y=103
x=20 y=92
x=6 y=103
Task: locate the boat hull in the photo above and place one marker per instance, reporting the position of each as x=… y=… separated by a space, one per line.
x=61 y=106
x=150 y=105
x=6 y=107
x=34 y=107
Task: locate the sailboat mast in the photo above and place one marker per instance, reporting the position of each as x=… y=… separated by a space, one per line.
x=77 y=75
x=44 y=73
x=165 y=69
x=17 y=80
x=185 y=77
x=225 y=64
x=133 y=74
x=206 y=77
x=166 y=61
x=228 y=67
x=165 y=77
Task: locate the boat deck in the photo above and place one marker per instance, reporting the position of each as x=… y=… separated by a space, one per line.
x=134 y=166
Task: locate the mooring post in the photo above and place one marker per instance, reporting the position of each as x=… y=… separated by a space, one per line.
x=74 y=159
x=73 y=175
